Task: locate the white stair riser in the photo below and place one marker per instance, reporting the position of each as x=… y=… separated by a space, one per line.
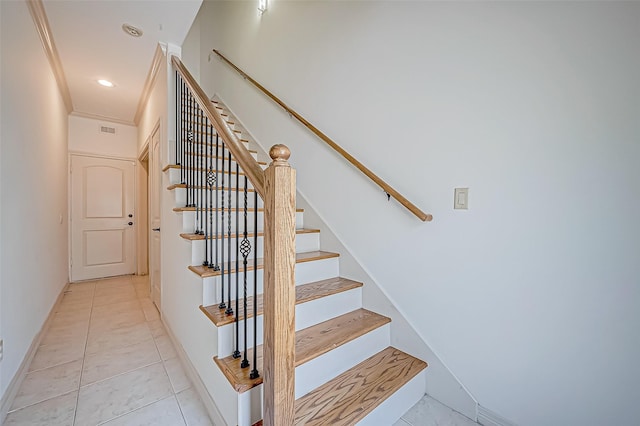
x=305 y=272
x=397 y=404
x=189 y=221
x=320 y=370
x=304 y=242
x=317 y=311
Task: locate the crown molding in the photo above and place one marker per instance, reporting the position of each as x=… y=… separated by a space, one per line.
x=36 y=8
x=101 y=118
x=158 y=60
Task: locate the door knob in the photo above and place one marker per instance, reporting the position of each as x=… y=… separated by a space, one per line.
x=130 y=223
x=156 y=229
x=130 y=215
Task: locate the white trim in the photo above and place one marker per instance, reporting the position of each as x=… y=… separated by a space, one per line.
x=110 y=157
x=36 y=8
x=102 y=118
x=208 y=402
x=18 y=378
x=150 y=81
x=487 y=417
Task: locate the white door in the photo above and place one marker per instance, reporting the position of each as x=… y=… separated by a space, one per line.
x=102 y=217
x=155 y=182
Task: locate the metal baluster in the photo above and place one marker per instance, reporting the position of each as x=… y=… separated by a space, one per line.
x=245 y=248
x=201 y=170
x=177 y=160
x=222 y=304
x=197 y=158
x=207 y=195
x=254 y=373
x=236 y=353
x=229 y=310
x=183 y=136
x=216 y=265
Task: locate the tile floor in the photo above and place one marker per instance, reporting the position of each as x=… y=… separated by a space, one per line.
x=106 y=359
x=429 y=412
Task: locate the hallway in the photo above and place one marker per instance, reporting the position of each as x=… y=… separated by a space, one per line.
x=106 y=359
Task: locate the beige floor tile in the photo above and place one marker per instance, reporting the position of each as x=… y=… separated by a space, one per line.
x=110 y=323
x=110 y=311
x=115 y=297
x=149 y=308
x=64 y=318
x=177 y=375
x=103 y=365
x=58 y=411
x=165 y=346
x=165 y=412
x=119 y=289
x=111 y=339
x=67 y=333
x=82 y=306
x=107 y=399
x=157 y=328
x=48 y=383
x=193 y=409
x=58 y=353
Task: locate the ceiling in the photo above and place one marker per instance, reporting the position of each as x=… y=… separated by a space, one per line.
x=92 y=45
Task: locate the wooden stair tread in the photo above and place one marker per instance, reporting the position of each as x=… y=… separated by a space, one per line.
x=311 y=343
x=352 y=395
x=184 y=185
x=310 y=256
x=251 y=209
x=196 y=237
x=304 y=293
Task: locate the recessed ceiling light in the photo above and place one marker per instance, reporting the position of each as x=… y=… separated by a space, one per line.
x=105 y=83
x=131 y=30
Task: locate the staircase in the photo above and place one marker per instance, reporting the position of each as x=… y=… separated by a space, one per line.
x=346 y=372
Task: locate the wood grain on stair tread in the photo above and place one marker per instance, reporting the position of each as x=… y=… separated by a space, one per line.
x=304 y=293
x=309 y=256
x=250 y=209
x=354 y=394
x=196 y=237
x=311 y=343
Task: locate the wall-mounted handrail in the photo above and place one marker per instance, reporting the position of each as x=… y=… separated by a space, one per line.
x=248 y=164
x=381 y=183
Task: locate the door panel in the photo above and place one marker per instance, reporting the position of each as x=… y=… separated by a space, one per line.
x=102 y=234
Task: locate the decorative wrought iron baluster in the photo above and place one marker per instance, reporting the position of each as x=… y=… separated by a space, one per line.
x=216 y=265
x=207 y=195
x=183 y=136
x=222 y=304
x=254 y=373
x=229 y=310
x=245 y=249
x=196 y=175
x=236 y=353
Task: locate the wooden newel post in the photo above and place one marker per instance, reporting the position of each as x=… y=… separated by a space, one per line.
x=279 y=289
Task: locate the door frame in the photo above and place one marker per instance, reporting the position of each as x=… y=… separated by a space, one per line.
x=142 y=207
x=70 y=154
x=157 y=128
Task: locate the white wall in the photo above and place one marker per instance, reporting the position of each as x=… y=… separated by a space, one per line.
x=33 y=185
x=85 y=137
x=531 y=296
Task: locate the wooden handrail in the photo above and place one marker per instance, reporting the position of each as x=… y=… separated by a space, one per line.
x=381 y=183
x=242 y=156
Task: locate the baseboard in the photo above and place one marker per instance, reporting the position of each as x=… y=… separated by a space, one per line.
x=487 y=417
x=18 y=378
x=207 y=401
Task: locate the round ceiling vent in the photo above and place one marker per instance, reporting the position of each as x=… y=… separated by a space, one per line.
x=131 y=30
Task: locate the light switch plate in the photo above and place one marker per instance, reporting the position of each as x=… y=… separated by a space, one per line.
x=461 y=198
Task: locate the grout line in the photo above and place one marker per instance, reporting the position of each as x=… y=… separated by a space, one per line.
x=84 y=356
x=139 y=408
